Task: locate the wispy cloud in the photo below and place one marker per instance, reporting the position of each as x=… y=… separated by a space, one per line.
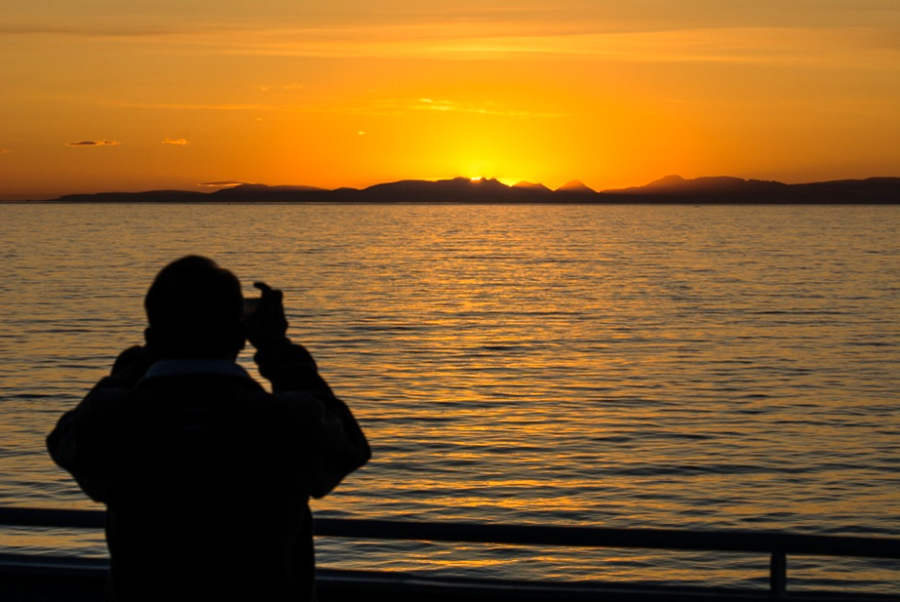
x=176 y=141
x=368 y=106
x=191 y=106
x=773 y=45
x=471 y=39
x=4 y=151
x=486 y=108
x=93 y=143
x=222 y=184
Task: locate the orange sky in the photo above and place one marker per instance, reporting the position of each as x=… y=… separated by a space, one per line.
x=109 y=95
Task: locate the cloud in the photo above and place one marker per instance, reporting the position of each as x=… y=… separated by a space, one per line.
x=369 y=106
x=766 y=31
x=487 y=108
x=768 y=44
x=4 y=151
x=222 y=184
x=93 y=143
x=192 y=106
x=394 y=106
x=176 y=142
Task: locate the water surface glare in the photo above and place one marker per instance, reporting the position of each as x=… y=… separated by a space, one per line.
x=622 y=366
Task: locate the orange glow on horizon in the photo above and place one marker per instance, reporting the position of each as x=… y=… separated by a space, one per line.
x=106 y=98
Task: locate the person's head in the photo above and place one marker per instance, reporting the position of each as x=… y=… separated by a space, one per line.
x=195 y=310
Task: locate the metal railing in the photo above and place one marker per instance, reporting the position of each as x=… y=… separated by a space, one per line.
x=778 y=545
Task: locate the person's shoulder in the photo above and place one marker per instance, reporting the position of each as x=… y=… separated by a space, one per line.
x=107 y=391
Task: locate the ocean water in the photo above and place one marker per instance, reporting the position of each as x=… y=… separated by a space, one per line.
x=622 y=366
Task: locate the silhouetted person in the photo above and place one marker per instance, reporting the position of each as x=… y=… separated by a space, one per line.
x=205 y=475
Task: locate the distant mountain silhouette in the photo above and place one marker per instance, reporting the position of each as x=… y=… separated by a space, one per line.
x=675 y=189
x=439 y=191
x=150 y=196
x=531 y=186
x=265 y=189
x=457 y=190
x=264 y=193
x=575 y=187
x=715 y=185
x=671 y=189
x=871 y=190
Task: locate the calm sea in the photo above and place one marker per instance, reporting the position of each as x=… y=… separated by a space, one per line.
x=623 y=366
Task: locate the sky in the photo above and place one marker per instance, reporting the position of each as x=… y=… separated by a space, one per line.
x=105 y=95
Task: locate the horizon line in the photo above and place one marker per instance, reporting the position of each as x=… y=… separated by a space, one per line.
x=214 y=187
x=671 y=185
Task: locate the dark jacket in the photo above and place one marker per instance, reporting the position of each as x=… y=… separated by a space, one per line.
x=206 y=476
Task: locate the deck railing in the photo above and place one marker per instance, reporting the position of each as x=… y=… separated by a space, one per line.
x=778 y=545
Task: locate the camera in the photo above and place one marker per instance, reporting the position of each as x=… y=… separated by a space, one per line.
x=251 y=304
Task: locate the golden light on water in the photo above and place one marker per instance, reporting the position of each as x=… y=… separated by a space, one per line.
x=618 y=366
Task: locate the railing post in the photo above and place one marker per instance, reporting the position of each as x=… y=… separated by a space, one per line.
x=778 y=576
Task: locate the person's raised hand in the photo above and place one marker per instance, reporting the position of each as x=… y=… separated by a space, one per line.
x=266 y=325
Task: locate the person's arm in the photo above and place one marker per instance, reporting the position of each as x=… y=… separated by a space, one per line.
x=338 y=444
x=79 y=442
x=130 y=367
x=335 y=443
x=288 y=366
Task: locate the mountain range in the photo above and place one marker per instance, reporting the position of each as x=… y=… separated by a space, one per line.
x=671 y=189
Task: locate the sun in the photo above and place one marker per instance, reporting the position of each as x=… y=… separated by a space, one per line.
x=502 y=180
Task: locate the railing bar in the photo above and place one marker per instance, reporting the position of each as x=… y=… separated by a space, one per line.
x=40 y=517
x=726 y=541
x=733 y=541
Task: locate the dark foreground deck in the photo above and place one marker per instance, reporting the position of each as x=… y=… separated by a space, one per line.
x=39 y=578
